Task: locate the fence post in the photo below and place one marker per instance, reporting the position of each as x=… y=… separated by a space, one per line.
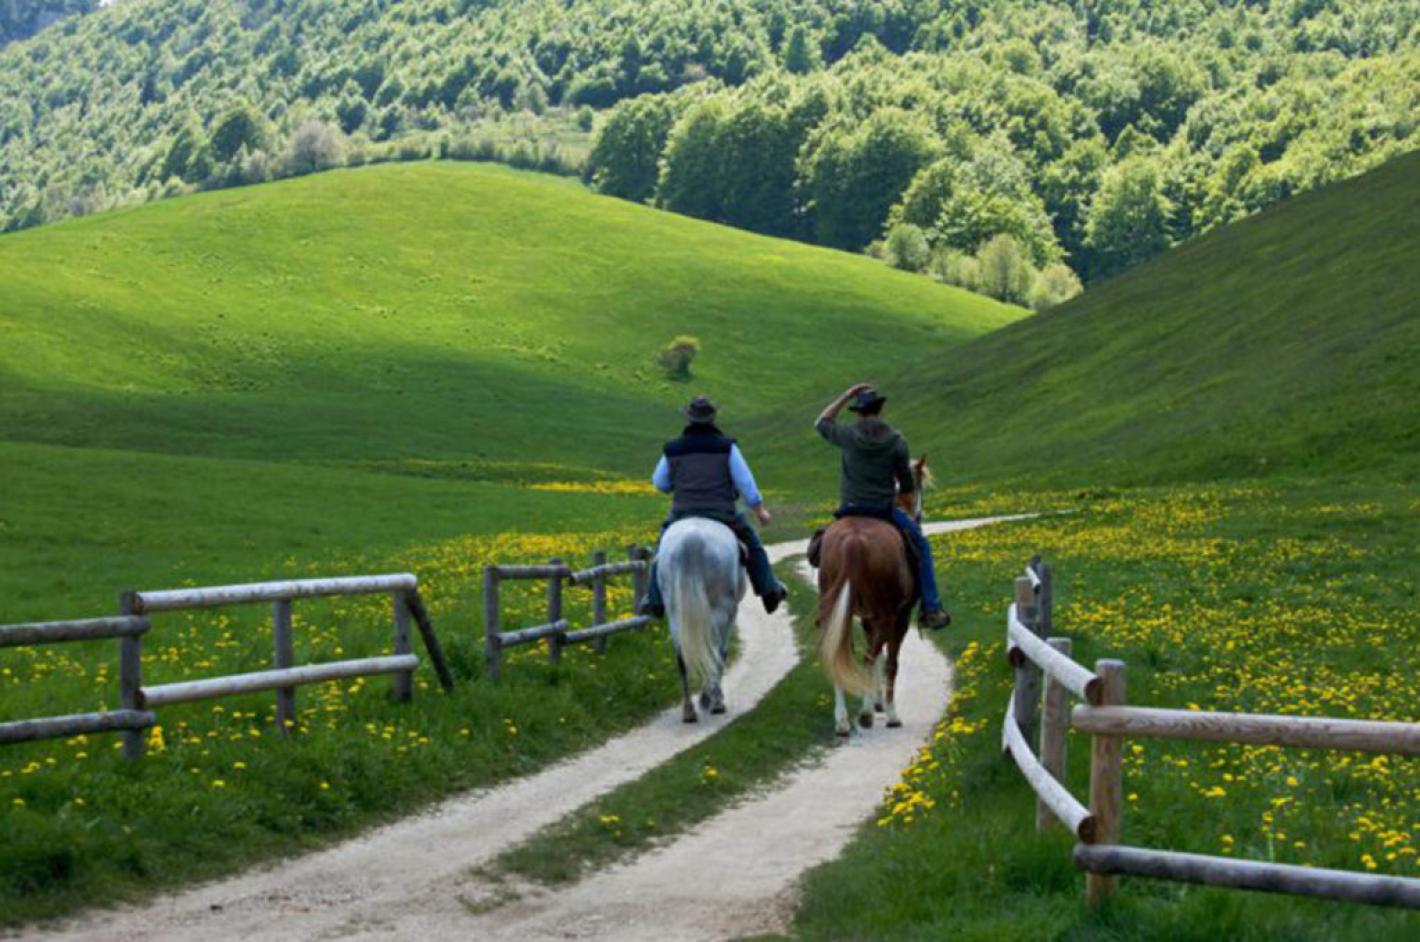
x=1045 y=616
x=554 y=613
x=404 y=680
x=492 y=644
x=130 y=675
x=1106 y=779
x=1027 y=697
x=1054 y=718
x=599 y=598
x=638 y=577
x=283 y=656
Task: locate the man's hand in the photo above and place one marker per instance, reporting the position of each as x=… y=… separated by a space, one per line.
x=836 y=406
x=761 y=513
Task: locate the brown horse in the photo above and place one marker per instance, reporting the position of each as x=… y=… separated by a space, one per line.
x=864 y=572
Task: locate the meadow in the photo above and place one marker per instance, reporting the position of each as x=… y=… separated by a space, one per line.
x=386 y=369
x=1294 y=597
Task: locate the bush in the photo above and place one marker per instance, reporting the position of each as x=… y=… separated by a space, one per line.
x=1055 y=285
x=1006 y=272
x=953 y=267
x=315 y=145
x=907 y=247
x=586 y=117
x=675 y=357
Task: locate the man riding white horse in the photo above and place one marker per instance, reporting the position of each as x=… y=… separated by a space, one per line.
x=705 y=474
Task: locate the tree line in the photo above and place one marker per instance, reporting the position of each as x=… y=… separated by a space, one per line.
x=1072 y=137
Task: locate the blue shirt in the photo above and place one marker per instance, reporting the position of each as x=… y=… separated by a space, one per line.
x=739 y=472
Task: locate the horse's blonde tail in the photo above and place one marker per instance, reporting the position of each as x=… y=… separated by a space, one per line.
x=689 y=608
x=835 y=648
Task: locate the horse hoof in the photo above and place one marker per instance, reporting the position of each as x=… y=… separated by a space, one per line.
x=688 y=715
x=865 y=720
x=705 y=701
x=841 y=732
x=894 y=723
x=718 y=708
x=878 y=708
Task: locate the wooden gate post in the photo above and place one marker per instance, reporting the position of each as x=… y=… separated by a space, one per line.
x=492 y=644
x=554 y=613
x=638 y=577
x=1055 y=717
x=130 y=675
x=599 y=598
x=1027 y=697
x=1106 y=779
x=283 y=655
x=403 y=680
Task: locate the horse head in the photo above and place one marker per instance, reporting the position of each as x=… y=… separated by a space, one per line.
x=911 y=504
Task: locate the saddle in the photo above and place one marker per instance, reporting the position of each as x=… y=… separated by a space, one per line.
x=909 y=550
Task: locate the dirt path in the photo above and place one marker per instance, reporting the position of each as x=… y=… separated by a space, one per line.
x=733 y=875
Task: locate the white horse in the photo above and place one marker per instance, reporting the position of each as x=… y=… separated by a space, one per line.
x=698 y=568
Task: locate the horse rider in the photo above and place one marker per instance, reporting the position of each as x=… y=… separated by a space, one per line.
x=705 y=473
x=876 y=464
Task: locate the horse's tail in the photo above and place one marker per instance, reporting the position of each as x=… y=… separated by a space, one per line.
x=835 y=648
x=692 y=615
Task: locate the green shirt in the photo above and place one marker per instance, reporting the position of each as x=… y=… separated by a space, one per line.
x=875 y=461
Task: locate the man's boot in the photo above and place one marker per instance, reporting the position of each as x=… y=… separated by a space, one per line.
x=774 y=597
x=935 y=619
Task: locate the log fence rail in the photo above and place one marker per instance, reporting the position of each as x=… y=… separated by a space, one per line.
x=1035 y=655
x=557 y=630
x=139 y=702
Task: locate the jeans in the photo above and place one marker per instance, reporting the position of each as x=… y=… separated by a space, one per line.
x=761 y=574
x=926 y=575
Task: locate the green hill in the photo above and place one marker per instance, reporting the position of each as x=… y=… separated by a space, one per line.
x=1285 y=342
x=435 y=320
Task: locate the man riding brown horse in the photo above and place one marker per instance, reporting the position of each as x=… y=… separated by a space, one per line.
x=876 y=469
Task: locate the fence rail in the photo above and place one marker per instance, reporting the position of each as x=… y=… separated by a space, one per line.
x=557 y=630
x=128 y=629
x=138 y=701
x=1109 y=721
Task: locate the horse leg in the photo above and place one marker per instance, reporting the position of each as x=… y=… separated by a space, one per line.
x=891 y=681
x=840 y=712
x=687 y=708
x=873 y=660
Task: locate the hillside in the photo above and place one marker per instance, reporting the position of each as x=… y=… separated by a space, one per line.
x=1285 y=342
x=446 y=321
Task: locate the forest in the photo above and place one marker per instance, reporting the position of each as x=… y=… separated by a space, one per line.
x=1019 y=148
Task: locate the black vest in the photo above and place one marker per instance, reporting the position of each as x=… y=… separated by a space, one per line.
x=700 y=473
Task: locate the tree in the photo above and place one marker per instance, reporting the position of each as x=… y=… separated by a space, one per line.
x=801 y=51
x=624 y=158
x=853 y=176
x=1128 y=220
x=907 y=247
x=237 y=128
x=1005 y=270
x=675 y=357
x=1055 y=285
x=315 y=145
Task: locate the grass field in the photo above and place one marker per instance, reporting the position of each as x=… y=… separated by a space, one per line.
x=1289 y=597
x=414 y=366
x=428 y=367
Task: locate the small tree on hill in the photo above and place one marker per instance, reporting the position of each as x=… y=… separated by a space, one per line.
x=315 y=145
x=1055 y=285
x=675 y=357
x=907 y=247
x=1005 y=269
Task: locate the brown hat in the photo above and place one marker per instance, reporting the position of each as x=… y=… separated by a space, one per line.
x=701 y=411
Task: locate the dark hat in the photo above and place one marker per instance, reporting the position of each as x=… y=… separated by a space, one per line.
x=701 y=411
x=866 y=399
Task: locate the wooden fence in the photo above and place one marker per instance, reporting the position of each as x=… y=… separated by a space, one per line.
x=138 y=701
x=556 y=629
x=1036 y=654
